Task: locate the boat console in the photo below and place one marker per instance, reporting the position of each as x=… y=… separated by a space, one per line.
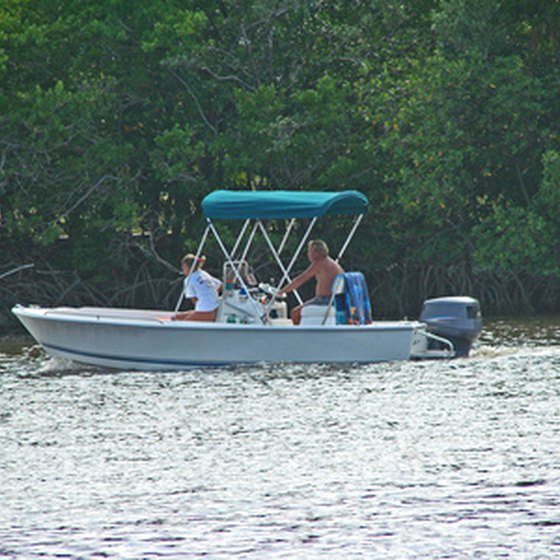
x=248 y=302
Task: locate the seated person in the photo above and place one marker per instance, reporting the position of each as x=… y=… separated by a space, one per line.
x=323 y=269
x=202 y=287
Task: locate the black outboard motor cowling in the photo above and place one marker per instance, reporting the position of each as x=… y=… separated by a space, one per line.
x=458 y=319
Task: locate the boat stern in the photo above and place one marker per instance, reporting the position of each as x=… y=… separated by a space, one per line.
x=422 y=345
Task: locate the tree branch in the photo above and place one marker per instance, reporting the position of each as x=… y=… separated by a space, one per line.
x=195 y=99
x=14 y=270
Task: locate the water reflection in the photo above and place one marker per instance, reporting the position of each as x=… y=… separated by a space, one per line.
x=527 y=331
x=396 y=460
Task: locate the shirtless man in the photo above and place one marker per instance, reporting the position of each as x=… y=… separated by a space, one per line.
x=323 y=269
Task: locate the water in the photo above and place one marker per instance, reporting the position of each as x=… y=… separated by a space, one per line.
x=405 y=460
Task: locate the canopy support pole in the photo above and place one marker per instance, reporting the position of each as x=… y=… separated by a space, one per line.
x=349 y=238
x=295 y=257
x=249 y=243
x=276 y=255
x=239 y=238
x=286 y=235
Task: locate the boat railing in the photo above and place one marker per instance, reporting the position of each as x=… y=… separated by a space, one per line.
x=447 y=352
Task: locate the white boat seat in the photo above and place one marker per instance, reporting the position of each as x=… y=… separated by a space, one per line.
x=315 y=315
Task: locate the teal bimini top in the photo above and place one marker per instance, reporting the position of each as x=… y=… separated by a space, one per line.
x=243 y=205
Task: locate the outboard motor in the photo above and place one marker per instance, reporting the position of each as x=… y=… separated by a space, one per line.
x=458 y=319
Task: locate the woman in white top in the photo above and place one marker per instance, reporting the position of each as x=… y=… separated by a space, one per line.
x=202 y=288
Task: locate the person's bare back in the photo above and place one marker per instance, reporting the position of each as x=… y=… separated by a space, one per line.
x=325 y=270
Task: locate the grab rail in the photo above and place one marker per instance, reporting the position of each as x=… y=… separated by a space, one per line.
x=444 y=341
x=440 y=339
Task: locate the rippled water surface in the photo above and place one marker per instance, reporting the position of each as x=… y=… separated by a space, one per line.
x=457 y=459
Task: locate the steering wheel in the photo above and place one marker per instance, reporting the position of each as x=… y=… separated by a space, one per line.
x=269 y=290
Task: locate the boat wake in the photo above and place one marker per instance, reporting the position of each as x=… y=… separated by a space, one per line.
x=501 y=351
x=54 y=366
x=35 y=362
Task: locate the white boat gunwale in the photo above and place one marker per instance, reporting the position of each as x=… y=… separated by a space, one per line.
x=65 y=316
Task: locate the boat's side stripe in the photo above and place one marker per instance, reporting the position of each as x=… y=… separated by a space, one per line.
x=130 y=359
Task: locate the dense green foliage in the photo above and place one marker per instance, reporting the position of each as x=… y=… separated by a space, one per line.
x=117 y=117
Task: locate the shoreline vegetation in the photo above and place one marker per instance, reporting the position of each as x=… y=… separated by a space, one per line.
x=395 y=294
x=116 y=122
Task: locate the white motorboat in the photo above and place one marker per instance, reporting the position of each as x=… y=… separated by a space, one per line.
x=252 y=324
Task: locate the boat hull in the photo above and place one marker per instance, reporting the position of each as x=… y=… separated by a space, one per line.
x=149 y=340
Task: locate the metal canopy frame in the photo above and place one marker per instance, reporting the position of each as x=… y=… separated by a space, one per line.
x=286 y=270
